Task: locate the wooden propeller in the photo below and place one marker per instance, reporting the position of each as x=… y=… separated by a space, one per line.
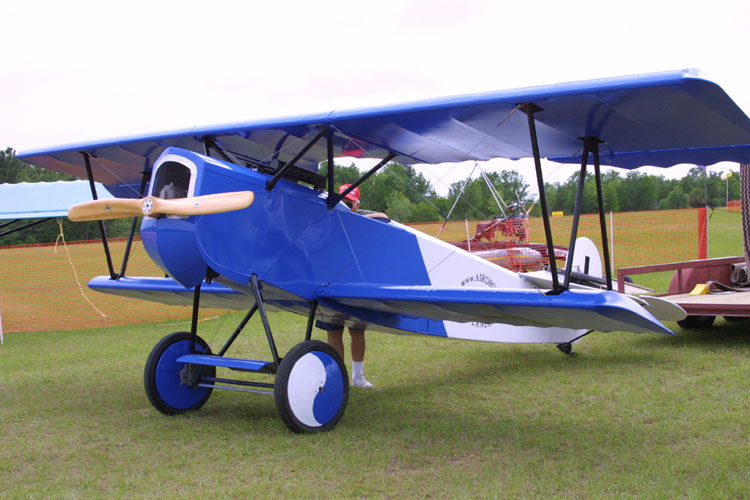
x=121 y=208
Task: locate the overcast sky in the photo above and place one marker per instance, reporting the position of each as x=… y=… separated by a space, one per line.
x=75 y=71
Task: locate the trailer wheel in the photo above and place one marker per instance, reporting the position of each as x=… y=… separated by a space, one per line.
x=696 y=322
x=311 y=387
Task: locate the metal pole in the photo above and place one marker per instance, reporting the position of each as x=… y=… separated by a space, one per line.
x=612 y=238
x=705 y=200
x=15 y=229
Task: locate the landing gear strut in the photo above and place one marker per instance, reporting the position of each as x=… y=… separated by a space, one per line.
x=567 y=347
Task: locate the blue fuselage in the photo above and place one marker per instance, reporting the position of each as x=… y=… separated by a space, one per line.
x=287 y=237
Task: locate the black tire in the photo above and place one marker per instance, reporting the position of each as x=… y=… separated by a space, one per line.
x=736 y=319
x=696 y=322
x=311 y=388
x=164 y=377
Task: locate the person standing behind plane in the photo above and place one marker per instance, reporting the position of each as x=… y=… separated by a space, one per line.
x=336 y=332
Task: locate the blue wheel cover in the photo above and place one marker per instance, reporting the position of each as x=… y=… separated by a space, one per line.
x=171 y=390
x=315 y=389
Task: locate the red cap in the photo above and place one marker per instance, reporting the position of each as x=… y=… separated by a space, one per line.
x=353 y=194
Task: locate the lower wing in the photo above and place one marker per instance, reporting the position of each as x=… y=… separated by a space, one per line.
x=604 y=311
x=393 y=305
x=167 y=291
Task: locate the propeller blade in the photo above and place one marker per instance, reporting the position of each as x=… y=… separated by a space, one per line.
x=121 y=208
x=115 y=208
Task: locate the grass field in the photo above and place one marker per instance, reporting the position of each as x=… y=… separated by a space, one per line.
x=633 y=416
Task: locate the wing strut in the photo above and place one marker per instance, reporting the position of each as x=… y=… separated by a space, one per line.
x=210 y=143
x=590 y=146
x=331 y=167
x=102 y=230
x=602 y=219
x=129 y=244
x=576 y=216
x=530 y=109
x=335 y=198
x=271 y=183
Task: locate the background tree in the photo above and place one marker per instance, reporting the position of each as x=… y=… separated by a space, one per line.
x=477 y=201
x=397 y=190
x=675 y=199
x=637 y=191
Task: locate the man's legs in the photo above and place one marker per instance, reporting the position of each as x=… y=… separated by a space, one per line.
x=358 y=344
x=358 y=359
x=336 y=340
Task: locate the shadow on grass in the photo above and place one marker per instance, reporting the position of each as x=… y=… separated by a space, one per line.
x=722 y=335
x=465 y=375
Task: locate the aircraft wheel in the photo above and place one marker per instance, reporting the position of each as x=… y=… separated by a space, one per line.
x=696 y=322
x=311 y=388
x=169 y=385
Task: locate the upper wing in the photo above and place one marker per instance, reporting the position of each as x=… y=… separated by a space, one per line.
x=660 y=119
x=577 y=309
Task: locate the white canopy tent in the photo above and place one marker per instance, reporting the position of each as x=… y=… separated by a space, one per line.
x=37 y=200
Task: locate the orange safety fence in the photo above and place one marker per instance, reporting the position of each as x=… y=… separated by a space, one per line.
x=43 y=287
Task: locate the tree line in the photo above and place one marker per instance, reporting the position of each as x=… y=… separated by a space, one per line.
x=407 y=196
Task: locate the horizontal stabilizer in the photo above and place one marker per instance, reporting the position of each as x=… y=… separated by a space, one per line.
x=604 y=311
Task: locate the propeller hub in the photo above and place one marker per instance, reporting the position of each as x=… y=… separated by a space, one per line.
x=148 y=206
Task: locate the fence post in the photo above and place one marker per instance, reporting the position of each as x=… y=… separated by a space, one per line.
x=702 y=234
x=745 y=209
x=612 y=240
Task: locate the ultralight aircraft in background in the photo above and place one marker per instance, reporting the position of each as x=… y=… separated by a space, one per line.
x=238 y=216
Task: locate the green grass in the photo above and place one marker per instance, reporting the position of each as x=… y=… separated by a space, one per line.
x=633 y=416
x=724 y=234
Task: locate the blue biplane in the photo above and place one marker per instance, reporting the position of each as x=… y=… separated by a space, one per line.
x=238 y=215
